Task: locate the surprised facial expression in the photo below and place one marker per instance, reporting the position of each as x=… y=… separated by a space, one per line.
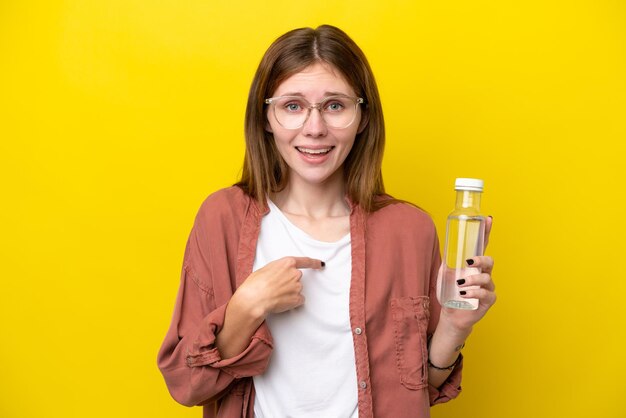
x=315 y=152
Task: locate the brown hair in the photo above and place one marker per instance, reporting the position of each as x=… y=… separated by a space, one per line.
x=264 y=170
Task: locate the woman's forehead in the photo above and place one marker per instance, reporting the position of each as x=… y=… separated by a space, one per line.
x=319 y=79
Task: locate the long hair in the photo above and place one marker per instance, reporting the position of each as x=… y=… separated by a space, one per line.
x=264 y=170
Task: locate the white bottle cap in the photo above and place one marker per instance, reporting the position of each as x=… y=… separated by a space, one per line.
x=472 y=185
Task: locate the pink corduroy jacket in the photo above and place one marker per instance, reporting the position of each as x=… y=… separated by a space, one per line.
x=393 y=309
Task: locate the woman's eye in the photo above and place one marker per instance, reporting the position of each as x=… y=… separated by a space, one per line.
x=293 y=107
x=334 y=106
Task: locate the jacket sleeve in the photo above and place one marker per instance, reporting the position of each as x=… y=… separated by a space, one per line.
x=193 y=369
x=451 y=388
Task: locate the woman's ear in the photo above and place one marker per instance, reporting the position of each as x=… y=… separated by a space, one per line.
x=268 y=127
x=363 y=123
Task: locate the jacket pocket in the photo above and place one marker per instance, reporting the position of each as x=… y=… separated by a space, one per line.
x=410 y=321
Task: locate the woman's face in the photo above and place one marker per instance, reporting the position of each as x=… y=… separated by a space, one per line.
x=315 y=152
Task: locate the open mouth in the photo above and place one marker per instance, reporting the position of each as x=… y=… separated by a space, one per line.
x=314 y=152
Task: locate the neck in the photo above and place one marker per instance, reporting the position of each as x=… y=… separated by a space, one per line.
x=467 y=199
x=313 y=200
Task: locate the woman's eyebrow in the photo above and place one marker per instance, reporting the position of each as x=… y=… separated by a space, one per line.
x=326 y=94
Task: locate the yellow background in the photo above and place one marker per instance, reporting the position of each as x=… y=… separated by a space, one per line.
x=118 y=117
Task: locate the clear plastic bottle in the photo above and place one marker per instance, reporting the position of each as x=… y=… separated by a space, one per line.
x=465 y=238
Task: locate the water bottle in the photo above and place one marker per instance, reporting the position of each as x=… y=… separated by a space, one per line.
x=465 y=238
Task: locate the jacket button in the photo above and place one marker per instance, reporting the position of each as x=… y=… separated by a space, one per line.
x=358 y=331
x=362 y=384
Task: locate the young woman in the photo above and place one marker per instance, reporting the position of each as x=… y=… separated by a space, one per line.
x=306 y=291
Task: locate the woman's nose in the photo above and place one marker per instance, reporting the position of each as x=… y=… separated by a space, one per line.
x=314 y=125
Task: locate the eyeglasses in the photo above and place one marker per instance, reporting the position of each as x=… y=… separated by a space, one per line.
x=292 y=112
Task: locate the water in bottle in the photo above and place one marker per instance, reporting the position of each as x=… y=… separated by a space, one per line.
x=465 y=236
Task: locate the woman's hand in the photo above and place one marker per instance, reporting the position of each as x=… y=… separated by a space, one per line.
x=479 y=286
x=276 y=287
x=272 y=289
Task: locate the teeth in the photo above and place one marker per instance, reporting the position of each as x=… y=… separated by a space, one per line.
x=314 y=151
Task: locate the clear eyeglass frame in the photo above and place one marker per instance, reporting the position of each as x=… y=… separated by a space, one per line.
x=319 y=106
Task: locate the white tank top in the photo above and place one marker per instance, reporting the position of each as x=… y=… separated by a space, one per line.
x=312 y=370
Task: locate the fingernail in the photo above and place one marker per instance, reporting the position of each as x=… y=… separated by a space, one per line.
x=491 y=216
x=463 y=292
x=469 y=261
x=460 y=281
x=323 y=264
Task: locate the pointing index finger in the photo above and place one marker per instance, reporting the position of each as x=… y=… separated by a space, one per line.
x=308 y=263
